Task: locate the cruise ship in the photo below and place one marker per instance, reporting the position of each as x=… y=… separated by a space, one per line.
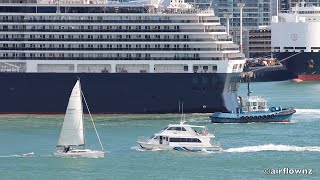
x=132 y=57
x=296 y=41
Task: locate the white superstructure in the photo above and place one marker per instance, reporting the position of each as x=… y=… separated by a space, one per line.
x=131 y=37
x=296 y=30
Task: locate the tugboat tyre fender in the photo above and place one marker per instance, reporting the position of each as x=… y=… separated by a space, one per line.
x=264 y=116
x=272 y=115
x=259 y=117
x=268 y=116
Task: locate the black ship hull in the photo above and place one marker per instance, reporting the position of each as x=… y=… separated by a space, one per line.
x=47 y=93
x=305 y=65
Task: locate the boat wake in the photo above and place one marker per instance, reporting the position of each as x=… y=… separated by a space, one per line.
x=272 y=147
x=31 y=154
x=208 y=152
x=312 y=112
x=137 y=148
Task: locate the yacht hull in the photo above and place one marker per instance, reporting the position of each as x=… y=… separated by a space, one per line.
x=154 y=146
x=167 y=147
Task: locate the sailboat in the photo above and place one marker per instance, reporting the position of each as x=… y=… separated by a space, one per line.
x=71 y=142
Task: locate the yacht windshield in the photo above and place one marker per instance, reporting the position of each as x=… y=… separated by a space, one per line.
x=177 y=128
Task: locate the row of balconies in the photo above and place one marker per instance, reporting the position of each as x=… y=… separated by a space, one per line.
x=118 y=49
x=171 y=40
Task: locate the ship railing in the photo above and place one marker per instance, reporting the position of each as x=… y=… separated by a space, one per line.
x=252 y=98
x=186 y=11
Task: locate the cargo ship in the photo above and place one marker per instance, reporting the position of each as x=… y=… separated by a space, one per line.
x=296 y=40
x=131 y=57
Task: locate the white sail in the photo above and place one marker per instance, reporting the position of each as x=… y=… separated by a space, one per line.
x=72 y=132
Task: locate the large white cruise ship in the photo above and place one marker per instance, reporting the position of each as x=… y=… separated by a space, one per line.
x=132 y=57
x=296 y=39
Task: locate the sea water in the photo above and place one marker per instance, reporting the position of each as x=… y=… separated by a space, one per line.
x=28 y=141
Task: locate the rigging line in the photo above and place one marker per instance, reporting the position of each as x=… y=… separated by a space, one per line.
x=92 y=121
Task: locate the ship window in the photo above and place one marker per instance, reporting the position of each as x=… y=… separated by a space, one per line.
x=185 y=68
x=177 y=139
x=184 y=140
x=177 y=129
x=195 y=140
x=174 y=139
x=300 y=48
x=235 y=66
x=195 y=68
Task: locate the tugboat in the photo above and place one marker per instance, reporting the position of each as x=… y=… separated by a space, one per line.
x=254 y=110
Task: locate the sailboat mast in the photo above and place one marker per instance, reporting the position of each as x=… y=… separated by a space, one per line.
x=92 y=121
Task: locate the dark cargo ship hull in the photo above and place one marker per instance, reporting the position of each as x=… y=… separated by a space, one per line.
x=46 y=93
x=269 y=73
x=305 y=65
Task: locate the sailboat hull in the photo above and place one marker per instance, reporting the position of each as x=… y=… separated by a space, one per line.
x=83 y=153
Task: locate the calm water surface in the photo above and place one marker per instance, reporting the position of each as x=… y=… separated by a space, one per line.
x=247 y=148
